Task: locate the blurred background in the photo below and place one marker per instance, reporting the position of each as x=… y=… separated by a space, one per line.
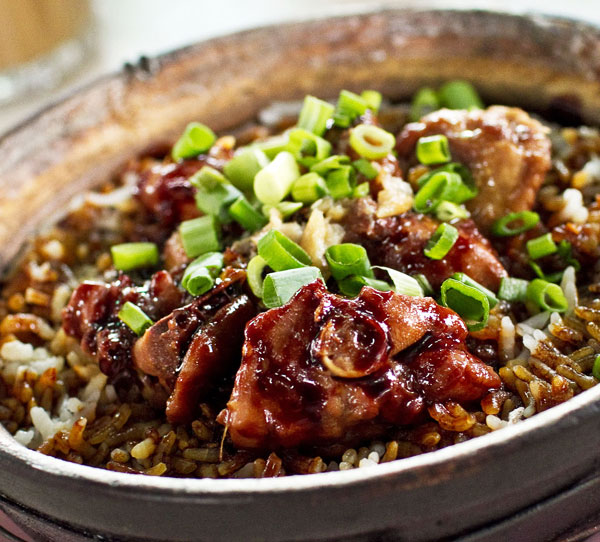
x=50 y=47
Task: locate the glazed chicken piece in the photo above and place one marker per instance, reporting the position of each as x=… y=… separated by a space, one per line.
x=324 y=369
x=398 y=242
x=507 y=151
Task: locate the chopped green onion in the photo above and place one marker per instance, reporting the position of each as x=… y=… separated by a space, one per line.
x=403 y=283
x=285 y=208
x=199 y=276
x=447 y=211
x=272 y=146
x=273 y=182
x=565 y=251
x=424 y=284
x=243 y=167
x=515 y=223
x=466 y=279
x=371 y=141
x=348 y=259
x=349 y=106
x=340 y=182
x=352 y=285
x=246 y=215
x=541 y=246
x=308 y=188
x=361 y=191
x=254 y=274
x=373 y=99
x=424 y=102
x=596 y=368
x=280 y=287
x=214 y=192
x=196 y=139
x=441 y=242
x=433 y=150
x=547 y=296
x=550 y=277
x=438 y=188
x=200 y=235
x=308 y=148
x=329 y=164
x=314 y=115
x=459 y=95
x=513 y=289
x=135 y=318
x=281 y=253
x=460 y=192
x=470 y=303
x=365 y=168
x=128 y=256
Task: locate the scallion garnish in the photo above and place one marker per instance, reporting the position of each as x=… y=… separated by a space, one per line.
x=348 y=259
x=309 y=188
x=135 y=318
x=541 y=246
x=469 y=302
x=424 y=102
x=365 y=168
x=340 y=182
x=373 y=99
x=196 y=139
x=547 y=296
x=371 y=141
x=200 y=235
x=280 y=287
x=214 y=193
x=403 y=283
x=466 y=279
x=441 y=242
x=424 y=284
x=352 y=285
x=458 y=192
x=515 y=223
x=307 y=148
x=447 y=211
x=459 y=95
x=361 y=191
x=285 y=208
x=272 y=146
x=596 y=368
x=281 y=253
x=329 y=164
x=243 y=167
x=274 y=182
x=199 y=276
x=254 y=274
x=128 y=256
x=513 y=289
x=438 y=188
x=433 y=150
x=314 y=115
x=242 y=211
x=349 y=106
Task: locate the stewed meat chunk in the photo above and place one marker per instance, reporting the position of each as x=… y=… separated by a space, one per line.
x=324 y=369
x=399 y=241
x=507 y=151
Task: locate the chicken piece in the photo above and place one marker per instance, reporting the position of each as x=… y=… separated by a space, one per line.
x=323 y=369
x=398 y=242
x=507 y=151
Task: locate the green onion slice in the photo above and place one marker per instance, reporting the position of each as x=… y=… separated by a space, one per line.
x=196 y=139
x=274 y=182
x=348 y=259
x=244 y=166
x=466 y=279
x=340 y=182
x=373 y=99
x=513 y=289
x=128 y=256
x=349 y=107
x=199 y=276
x=460 y=192
x=596 y=368
x=352 y=285
x=272 y=146
x=308 y=148
x=285 y=208
x=515 y=223
x=200 y=235
x=135 y=318
x=541 y=246
x=254 y=274
x=214 y=193
x=433 y=150
x=362 y=190
x=441 y=242
x=447 y=211
x=329 y=164
x=424 y=102
x=242 y=211
x=469 y=302
x=424 y=284
x=403 y=283
x=309 y=188
x=371 y=141
x=281 y=286
x=314 y=115
x=281 y=253
x=365 y=168
x=547 y=296
x=459 y=95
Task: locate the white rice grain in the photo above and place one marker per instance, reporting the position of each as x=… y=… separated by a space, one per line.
x=569 y=288
x=574 y=209
x=507 y=338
